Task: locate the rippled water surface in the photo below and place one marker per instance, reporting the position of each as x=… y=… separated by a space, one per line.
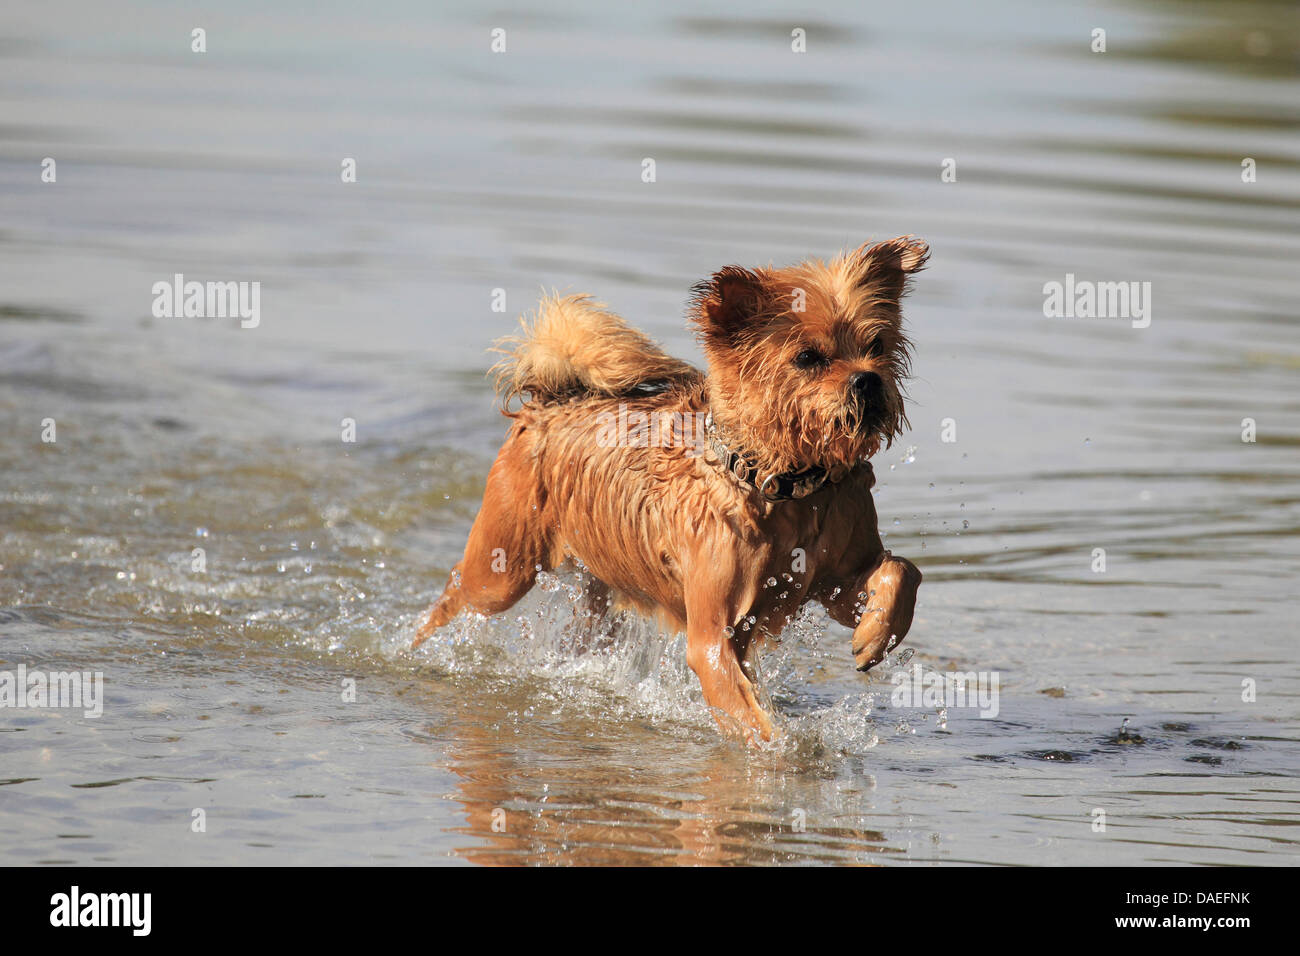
x=503 y=741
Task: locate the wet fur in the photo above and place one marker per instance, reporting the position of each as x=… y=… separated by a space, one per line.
x=665 y=529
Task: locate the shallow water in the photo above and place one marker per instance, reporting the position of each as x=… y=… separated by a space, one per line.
x=521 y=171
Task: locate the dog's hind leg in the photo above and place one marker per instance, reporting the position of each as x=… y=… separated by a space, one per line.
x=592 y=614
x=507 y=546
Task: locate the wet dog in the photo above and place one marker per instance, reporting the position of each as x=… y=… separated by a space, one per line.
x=725 y=528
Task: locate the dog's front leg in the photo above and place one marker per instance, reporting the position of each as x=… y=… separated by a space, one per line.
x=882 y=617
x=726 y=688
x=711 y=652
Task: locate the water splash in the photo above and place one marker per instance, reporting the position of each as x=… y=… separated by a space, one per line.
x=620 y=666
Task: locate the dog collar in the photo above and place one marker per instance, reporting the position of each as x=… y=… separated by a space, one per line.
x=775 y=486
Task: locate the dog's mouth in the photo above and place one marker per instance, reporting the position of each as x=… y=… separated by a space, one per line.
x=867 y=420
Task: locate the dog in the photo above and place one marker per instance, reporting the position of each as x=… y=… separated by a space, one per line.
x=727 y=534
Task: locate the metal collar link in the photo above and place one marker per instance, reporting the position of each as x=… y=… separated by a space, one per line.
x=775 y=486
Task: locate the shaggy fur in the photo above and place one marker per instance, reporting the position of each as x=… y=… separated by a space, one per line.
x=574 y=346
x=805 y=371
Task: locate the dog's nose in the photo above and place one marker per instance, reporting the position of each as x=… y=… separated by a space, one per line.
x=868 y=385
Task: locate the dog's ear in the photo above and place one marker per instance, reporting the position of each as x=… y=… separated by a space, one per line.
x=887 y=265
x=726 y=302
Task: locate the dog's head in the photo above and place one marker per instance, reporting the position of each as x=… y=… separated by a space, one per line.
x=807 y=363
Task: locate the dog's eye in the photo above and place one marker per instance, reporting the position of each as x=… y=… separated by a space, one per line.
x=876 y=348
x=809 y=358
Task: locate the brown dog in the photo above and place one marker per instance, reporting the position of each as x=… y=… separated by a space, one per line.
x=722 y=502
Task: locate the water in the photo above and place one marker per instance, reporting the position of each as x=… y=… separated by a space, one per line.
x=500 y=742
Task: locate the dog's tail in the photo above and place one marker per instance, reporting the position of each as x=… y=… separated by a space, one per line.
x=575 y=346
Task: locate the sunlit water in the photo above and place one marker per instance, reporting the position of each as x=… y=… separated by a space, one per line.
x=513 y=740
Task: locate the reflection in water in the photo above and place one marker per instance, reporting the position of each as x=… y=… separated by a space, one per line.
x=596 y=809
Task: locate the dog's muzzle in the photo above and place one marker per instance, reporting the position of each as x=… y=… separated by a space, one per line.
x=868 y=390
